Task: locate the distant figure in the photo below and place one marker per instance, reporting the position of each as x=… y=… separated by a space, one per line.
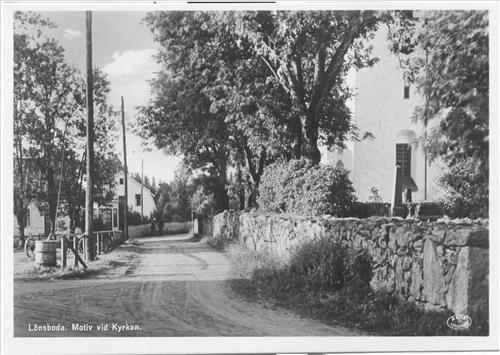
x=153 y=227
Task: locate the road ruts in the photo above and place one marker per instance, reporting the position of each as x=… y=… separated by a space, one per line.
x=177 y=288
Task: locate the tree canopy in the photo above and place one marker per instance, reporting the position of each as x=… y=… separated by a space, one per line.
x=244 y=88
x=49 y=119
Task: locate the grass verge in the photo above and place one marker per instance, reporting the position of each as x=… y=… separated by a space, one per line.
x=262 y=277
x=114 y=263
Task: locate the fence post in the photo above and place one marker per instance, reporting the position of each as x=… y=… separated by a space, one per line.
x=63 y=252
x=75 y=247
x=98 y=244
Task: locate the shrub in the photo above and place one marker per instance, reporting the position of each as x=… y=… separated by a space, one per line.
x=369 y=209
x=375 y=195
x=133 y=218
x=328 y=265
x=302 y=286
x=466 y=190
x=300 y=188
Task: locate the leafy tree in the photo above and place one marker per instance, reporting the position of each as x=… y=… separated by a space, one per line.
x=445 y=53
x=308 y=53
x=182 y=189
x=224 y=96
x=28 y=185
x=179 y=117
x=173 y=200
x=163 y=212
x=201 y=203
x=47 y=95
x=50 y=97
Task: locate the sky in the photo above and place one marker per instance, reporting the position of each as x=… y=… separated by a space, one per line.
x=123 y=48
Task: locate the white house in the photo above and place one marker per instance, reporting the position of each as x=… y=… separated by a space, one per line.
x=384 y=105
x=139 y=198
x=37 y=223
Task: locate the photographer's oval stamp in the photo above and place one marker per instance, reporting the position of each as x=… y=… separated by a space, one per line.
x=459 y=322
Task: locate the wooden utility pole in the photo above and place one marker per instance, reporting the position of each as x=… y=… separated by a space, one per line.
x=125 y=178
x=142 y=191
x=425 y=123
x=89 y=201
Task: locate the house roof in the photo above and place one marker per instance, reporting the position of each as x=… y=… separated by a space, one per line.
x=131 y=178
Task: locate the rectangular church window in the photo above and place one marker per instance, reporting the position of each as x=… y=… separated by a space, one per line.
x=403 y=158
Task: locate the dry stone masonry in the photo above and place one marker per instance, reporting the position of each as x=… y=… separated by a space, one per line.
x=436 y=265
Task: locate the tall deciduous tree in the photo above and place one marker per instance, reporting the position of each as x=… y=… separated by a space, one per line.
x=28 y=185
x=47 y=92
x=50 y=99
x=223 y=97
x=445 y=53
x=309 y=54
x=163 y=211
x=179 y=117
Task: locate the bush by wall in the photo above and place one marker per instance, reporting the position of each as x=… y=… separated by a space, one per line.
x=300 y=188
x=326 y=264
x=135 y=219
x=305 y=285
x=435 y=264
x=466 y=189
x=369 y=209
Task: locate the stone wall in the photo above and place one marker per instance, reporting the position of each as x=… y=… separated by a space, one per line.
x=222 y=229
x=434 y=264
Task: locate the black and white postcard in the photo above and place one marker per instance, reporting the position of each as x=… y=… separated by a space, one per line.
x=224 y=177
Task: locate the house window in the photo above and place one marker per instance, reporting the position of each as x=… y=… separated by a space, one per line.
x=406 y=93
x=137 y=199
x=121 y=181
x=403 y=158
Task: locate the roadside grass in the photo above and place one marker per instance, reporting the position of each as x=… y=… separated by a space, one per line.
x=113 y=263
x=56 y=273
x=260 y=276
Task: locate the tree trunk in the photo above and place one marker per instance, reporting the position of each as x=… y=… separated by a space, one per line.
x=310 y=149
x=21 y=219
x=241 y=200
x=221 y=195
x=221 y=198
x=52 y=200
x=250 y=198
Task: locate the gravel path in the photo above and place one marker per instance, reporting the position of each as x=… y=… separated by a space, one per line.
x=176 y=288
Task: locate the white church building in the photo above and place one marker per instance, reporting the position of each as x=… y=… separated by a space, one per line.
x=384 y=105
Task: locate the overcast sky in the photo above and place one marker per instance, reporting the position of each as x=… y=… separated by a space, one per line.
x=123 y=48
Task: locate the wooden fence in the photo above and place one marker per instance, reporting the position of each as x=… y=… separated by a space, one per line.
x=77 y=243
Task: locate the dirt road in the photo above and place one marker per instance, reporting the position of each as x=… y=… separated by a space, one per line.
x=176 y=288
